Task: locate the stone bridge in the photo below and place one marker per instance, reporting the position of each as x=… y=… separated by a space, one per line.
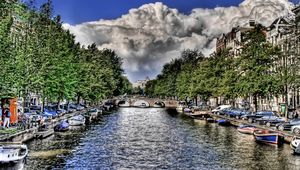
x=132 y=102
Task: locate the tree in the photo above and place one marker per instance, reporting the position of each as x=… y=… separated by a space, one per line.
x=38 y=56
x=150 y=88
x=191 y=60
x=255 y=64
x=7 y=50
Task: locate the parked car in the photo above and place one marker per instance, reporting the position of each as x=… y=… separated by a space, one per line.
x=220 y=108
x=287 y=125
x=234 y=112
x=224 y=111
x=35 y=118
x=295 y=129
x=83 y=105
x=44 y=115
x=35 y=107
x=61 y=112
x=50 y=111
x=270 y=120
x=252 y=116
x=26 y=112
x=68 y=108
x=77 y=107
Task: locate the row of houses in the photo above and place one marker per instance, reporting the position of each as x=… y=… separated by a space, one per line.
x=283 y=32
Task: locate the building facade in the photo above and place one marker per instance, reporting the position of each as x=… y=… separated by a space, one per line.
x=141 y=83
x=234 y=39
x=283 y=33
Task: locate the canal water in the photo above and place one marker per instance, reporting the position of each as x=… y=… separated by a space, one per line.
x=133 y=138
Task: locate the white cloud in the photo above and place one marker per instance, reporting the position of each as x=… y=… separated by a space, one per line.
x=148 y=37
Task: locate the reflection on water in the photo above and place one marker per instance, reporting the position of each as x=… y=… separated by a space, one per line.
x=135 y=138
x=13 y=166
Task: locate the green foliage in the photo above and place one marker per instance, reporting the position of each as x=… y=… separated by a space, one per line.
x=255 y=65
x=38 y=56
x=250 y=73
x=7 y=50
x=150 y=87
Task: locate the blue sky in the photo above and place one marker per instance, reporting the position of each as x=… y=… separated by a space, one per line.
x=78 y=11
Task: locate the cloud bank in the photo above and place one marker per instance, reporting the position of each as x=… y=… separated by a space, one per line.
x=150 y=36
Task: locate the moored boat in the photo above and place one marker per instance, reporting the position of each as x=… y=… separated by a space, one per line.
x=180 y=106
x=62 y=126
x=77 y=120
x=200 y=115
x=179 y=109
x=268 y=137
x=224 y=122
x=246 y=129
x=210 y=120
x=187 y=110
x=94 y=112
x=295 y=145
x=200 y=121
x=12 y=153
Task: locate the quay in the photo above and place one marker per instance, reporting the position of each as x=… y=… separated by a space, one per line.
x=288 y=136
x=22 y=136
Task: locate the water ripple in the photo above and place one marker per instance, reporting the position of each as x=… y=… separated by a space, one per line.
x=149 y=139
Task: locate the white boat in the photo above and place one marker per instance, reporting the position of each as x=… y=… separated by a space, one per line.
x=295 y=145
x=180 y=106
x=94 y=113
x=77 y=120
x=12 y=153
x=187 y=110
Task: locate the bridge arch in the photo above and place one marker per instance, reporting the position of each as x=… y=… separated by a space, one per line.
x=141 y=103
x=123 y=103
x=159 y=103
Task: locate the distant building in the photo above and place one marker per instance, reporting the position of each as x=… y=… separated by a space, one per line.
x=141 y=83
x=234 y=39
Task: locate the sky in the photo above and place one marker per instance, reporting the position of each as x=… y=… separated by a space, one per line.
x=147 y=34
x=78 y=11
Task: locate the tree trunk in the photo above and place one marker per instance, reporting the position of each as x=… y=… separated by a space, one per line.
x=78 y=99
x=58 y=103
x=294 y=99
x=286 y=102
x=255 y=102
x=23 y=103
x=43 y=104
